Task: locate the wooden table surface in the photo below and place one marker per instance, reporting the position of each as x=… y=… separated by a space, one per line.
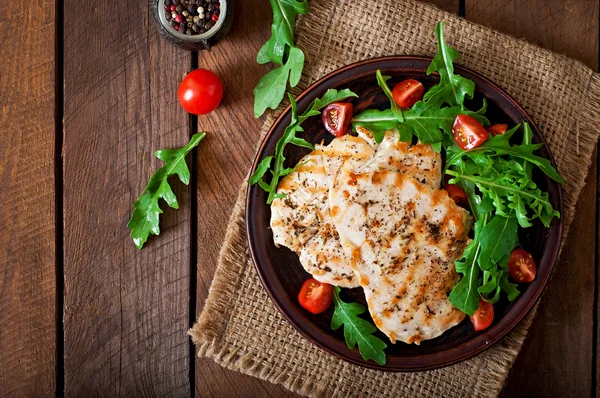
x=87 y=94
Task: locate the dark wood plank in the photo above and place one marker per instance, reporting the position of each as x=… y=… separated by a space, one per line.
x=557 y=356
x=224 y=161
x=126 y=312
x=570 y=28
x=27 y=217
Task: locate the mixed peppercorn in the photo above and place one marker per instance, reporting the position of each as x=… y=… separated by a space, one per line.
x=192 y=17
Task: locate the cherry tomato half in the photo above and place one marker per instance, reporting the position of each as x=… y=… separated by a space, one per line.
x=315 y=296
x=336 y=117
x=407 y=93
x=497 y=129
x=483 y=316
x=521 y=266
x=468 y=132
x=200 y=92
x=457 y=194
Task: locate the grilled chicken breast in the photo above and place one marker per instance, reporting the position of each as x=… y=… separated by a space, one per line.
x=302 y=222
x=401 y=238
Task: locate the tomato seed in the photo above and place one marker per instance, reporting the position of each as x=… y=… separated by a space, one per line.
x=334 y=117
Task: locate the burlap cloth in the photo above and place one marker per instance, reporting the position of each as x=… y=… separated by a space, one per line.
x=241 y=329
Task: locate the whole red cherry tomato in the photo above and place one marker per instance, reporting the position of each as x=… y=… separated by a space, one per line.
x=200 y=92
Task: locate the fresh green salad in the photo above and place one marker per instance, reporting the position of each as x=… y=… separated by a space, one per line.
x=486 y=171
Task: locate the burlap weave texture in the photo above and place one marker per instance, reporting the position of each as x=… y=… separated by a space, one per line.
x=241 y=329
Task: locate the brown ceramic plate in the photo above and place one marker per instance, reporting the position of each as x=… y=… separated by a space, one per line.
x=281 y=272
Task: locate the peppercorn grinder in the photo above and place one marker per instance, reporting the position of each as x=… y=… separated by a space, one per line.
x=193 y=25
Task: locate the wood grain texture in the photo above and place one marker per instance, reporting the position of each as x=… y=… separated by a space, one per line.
x=126 y=312
x=224 y=161
x=557 y=355
x=570 y=28
x=27 y=215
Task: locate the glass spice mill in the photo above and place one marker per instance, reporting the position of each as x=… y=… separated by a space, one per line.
x=193 y=24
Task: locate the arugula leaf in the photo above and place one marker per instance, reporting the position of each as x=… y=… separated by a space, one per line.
x=511 y=289
x=428 y=123
x=511 y=192
x=145 y=217
x=452 y=88
x=498 y=238
x=499 y=146
x=484 y=264
x=289 y=137
x=357 y=330
x=490 y=285
x=507 y=185
x=262 y=168
x=281 y=51
x=527 y=137
x=377 y=122
x=270 y=89
x=464 y=296
x=382 y=82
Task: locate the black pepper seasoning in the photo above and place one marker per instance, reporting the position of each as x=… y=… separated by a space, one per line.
x=192 y=18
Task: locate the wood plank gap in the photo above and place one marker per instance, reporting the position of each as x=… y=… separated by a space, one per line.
x=596 y=265
x=462 y=8
x=193 y=126
x=595 y=391
x=58 y=194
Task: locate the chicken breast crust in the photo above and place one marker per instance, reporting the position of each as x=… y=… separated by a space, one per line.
x=401 y=238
